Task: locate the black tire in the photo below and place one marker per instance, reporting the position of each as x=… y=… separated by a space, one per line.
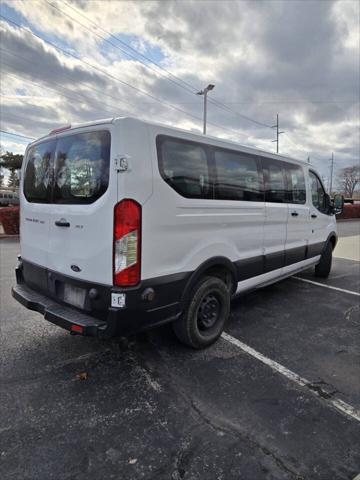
x=322 y=269
x=205 y=314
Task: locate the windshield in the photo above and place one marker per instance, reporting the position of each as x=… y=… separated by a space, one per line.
x=73 y=169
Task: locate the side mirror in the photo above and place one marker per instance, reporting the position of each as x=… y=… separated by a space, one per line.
x=338 y=203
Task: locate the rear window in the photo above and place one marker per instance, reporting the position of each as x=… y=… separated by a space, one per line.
x=82 y=167
x=38 y=173
x=73 y=169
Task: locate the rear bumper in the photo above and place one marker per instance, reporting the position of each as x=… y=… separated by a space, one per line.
x=40 y=289
x=60 y=315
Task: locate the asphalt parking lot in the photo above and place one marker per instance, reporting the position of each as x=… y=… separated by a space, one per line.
x=277 y=398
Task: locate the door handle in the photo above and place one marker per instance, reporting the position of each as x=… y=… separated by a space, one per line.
x=313 y=215
x=62 y=223
x=294 y=214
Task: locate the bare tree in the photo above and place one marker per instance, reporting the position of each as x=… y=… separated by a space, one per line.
x=348 y=180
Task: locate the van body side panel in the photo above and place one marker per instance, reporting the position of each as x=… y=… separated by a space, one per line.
x=186 y=232
x=131 y=142
x=275 y=235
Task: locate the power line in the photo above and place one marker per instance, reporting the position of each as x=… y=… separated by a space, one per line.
x=245 y=117
x=193 y=90
x=55 y=83
x=109 y=41
x=191 y=87
x=100 y=70
x=17 y=135
x=291 y=102
x=115 y=78
x=84 y=97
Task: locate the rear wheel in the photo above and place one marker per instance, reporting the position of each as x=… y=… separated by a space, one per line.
x=205 y=315
x=323 y=268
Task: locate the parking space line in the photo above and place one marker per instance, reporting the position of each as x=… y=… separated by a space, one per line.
x=343 y=407
x=350 y=292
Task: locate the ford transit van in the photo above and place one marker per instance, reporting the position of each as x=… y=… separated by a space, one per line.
x=126 y=225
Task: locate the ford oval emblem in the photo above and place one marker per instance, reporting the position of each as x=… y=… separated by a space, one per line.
x=75 y=268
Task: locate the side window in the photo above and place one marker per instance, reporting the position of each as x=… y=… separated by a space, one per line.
x=317 y=193
x=296 y=184
x=184 y=166
x=237 y=177
x=275 y=184
x=38 y=172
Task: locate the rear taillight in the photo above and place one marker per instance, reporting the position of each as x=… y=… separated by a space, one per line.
x=127 y=243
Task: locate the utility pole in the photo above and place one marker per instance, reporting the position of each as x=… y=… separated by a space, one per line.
x=331 y=172
x=277 y=133
x=204 y=93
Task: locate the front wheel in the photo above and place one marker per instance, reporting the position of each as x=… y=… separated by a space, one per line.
x=323 y=268
x=205 y=315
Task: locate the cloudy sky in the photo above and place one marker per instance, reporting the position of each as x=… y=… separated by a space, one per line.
x=72 y=61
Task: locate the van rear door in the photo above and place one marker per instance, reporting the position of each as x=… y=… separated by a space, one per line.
x=35 y=202
x=68 y=201
x=83 y=199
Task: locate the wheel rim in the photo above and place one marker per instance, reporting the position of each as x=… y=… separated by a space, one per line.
x=208 y=312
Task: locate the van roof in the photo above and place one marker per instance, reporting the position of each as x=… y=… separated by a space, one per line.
x=199 y=136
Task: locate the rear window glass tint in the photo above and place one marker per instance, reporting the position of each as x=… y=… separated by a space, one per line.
x=82 y=167
x=237 y=177
x=184 y=166
x=38 y=172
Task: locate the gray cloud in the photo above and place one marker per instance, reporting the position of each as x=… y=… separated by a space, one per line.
x=291 y=58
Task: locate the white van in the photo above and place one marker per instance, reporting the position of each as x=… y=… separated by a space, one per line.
x=126 y=225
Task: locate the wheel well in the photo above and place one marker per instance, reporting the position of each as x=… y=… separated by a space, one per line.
x=222 y=272
x=332 y=240
x=219 y=267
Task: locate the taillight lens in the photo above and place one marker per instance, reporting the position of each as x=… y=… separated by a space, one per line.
x=127 y=242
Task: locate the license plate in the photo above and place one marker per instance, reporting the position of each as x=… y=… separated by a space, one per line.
x=74 y=295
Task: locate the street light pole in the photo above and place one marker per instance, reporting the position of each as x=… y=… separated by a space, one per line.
x=205 y=111
x=331 y=172
x=204 y=93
